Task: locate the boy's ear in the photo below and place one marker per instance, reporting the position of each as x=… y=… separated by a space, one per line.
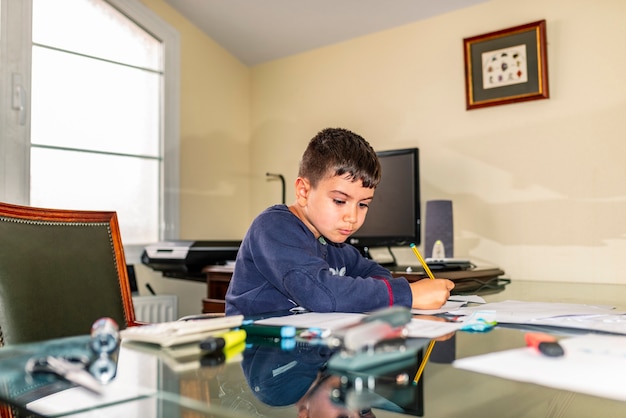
x=302 y=190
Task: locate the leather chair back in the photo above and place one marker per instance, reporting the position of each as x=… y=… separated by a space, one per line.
x=60 y=270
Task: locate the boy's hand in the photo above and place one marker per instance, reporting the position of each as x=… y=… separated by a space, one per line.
x=431 y=294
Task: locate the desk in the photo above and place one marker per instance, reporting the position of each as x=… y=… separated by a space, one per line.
x=218 y=278
x=152 y=388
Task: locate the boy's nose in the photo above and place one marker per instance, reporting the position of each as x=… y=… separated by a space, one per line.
x=351 y=215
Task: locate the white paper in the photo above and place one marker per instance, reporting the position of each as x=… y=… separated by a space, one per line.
x=424 y=328
x=447 y=307
x=517 y=312
x=323 y=320
x=592 y=364
x=466 y=298
x=565 y=315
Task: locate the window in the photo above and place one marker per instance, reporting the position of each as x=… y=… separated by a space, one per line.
x=103 y=116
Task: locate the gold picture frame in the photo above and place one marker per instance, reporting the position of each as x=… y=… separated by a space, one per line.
x=506 y=66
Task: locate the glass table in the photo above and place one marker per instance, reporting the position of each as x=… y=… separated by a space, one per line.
x=267 y=380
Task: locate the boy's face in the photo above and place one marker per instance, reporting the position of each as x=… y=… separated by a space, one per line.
x=318 y=403
x=335 y=209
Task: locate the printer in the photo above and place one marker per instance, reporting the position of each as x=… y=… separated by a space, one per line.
x=185 y=259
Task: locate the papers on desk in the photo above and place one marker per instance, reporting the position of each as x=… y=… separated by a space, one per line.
x=466 y=299
x=592 y=364
x=454 y=302
x=564 y=315
x=424 y=328
x=418 y=328
x=330 y=321
x=561 y=315
x=447 y=307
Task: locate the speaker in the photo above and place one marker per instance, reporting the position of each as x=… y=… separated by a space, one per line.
x=439 y=231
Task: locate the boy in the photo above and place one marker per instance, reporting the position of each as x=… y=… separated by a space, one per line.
x=296 y=256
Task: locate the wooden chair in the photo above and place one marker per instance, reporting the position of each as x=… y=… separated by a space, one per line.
x=60 y=270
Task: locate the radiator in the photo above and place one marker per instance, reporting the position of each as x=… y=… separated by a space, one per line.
x=158 y=308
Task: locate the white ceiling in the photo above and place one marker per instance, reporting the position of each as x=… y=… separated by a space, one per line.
x=256 y=31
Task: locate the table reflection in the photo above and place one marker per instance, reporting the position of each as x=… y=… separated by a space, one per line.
x=323 y=382
x=267 y=378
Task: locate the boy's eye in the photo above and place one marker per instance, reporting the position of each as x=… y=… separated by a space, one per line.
x=364 y=205
x=339 y=201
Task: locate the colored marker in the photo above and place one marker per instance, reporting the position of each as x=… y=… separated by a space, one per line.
x=286 y=331
x=223 y=341
x=315 y=333
x=544 y=343
x=222 y=356
x=285 y=344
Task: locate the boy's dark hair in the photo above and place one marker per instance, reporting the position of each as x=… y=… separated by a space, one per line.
x=337 y=151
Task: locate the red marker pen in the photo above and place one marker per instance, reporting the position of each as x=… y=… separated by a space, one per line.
x=546 y=344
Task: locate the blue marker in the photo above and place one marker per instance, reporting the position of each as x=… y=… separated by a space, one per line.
x=285 y=344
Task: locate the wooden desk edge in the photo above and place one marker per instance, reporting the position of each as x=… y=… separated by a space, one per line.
x=222 y=268
x=479 y=272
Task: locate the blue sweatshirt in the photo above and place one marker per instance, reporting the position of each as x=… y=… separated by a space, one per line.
x=280 y=265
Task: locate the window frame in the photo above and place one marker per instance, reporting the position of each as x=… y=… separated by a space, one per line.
x=15 y=59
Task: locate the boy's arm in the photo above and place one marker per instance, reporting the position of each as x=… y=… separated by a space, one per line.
x=287 y=255
x=364 y=267
x=363 y=286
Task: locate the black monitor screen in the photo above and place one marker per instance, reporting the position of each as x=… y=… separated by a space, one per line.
x=393 y=218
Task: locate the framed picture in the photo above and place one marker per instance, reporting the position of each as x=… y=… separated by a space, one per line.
x=506 y=66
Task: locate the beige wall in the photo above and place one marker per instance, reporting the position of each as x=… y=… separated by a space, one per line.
x=214 y=147
x=538 y=187
x=214 y=134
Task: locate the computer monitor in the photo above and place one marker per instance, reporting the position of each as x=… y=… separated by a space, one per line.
x=393 y=218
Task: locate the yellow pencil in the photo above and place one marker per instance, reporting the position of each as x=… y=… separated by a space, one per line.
x=432 y=342
x=424 y=361
x=419 y=257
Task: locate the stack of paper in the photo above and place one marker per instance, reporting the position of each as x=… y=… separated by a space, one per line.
x=566 y=315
